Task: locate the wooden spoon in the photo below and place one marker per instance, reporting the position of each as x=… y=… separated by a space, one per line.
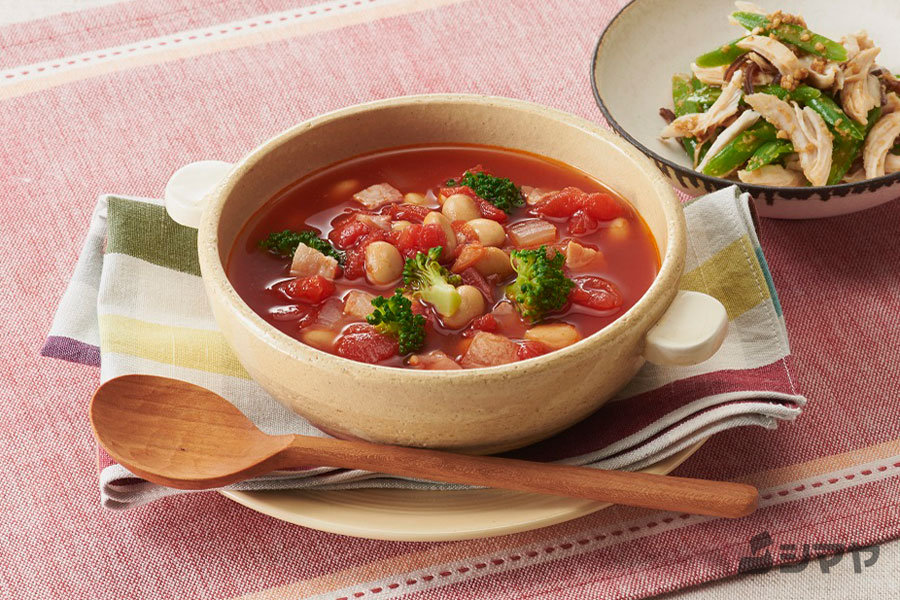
x=183 y=436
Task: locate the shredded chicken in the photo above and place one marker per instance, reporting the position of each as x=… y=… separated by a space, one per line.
x=891 y=164
x=821 y=74
x=747 y=118
x=879 y=142
x=697 y=124
x=861 y=92
x=749 y=7
x=710 y=75
x=774 y=175
x=779 y=55
x=806 y=129
x=855 y=42
x=892 y=103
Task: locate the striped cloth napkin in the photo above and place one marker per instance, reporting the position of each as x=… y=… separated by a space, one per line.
x=136 y=304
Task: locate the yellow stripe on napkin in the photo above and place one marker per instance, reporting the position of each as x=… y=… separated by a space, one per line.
x=199 y=349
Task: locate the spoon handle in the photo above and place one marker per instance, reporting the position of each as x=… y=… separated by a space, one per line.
x=693 y=496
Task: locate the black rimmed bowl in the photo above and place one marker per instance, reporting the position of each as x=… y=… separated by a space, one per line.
x=650 y=40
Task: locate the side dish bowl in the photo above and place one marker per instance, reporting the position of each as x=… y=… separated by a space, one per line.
x=479 y=410
x=650 y=40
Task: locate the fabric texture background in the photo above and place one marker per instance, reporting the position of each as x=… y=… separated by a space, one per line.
x=127 y=119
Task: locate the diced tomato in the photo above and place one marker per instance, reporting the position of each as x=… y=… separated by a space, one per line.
x=560 y=204
x=530 y=349
x=483 y=323
x=581 y=223
x=303 y=314
x=595 y=292
x=472 y=277
x=489 y=211
x=603 y=207
x=419 y=238
x=312 y=289
x=361 y=342
x=346 y=231
x=568 y=202
x=446 y=192
x=406 y=212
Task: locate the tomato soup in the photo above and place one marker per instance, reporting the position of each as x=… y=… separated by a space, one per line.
x=443 y=257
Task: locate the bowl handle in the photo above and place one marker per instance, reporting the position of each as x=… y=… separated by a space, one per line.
x=188 y=187
x=690 y=331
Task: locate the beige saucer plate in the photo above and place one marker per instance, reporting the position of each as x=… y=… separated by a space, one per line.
x=427 y=516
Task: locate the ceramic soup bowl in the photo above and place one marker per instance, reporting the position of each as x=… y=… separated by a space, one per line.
x=651 y=40
x=476 y=410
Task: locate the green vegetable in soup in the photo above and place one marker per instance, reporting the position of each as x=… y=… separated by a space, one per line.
x=794 y=34
x=499 y=191
x=284 y=244
x=394 y=317
x=425 y=278
x=541 y=286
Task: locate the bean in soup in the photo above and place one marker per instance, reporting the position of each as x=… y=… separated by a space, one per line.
x=443 y=257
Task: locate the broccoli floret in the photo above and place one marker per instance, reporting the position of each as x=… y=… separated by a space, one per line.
x=394 y=317
x=284 y=244
x=427 y=279
x=541 y=286
x=499 y=191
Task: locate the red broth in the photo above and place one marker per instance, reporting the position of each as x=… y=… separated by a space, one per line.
x=630 y=260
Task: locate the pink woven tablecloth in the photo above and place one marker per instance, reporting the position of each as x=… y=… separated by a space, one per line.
x=116 y=98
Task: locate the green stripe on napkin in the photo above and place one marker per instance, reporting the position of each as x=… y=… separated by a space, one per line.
x=145 y=231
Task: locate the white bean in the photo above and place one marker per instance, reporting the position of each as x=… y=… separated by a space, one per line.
x=323 y=339
x=619 y=229
x=472 y=306
x=384 y=263
x=414 y=198
x=342 y=190
x=494 y=262
x=436 y=218
x=460 y=207
x=400 y=225
x=490 y=233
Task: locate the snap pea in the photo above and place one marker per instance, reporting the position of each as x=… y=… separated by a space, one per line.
x=829 y=110
x=684 y=104
x=847 y=149
x=723 y=55
x=794 y=34
x=736 y=152
x=774 y=90
x=768 y=153
x=690 y=95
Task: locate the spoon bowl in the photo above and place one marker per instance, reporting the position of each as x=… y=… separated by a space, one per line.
x=181 y=435
x=156 y=426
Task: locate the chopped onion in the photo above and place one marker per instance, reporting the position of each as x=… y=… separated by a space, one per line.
x=532 y=232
